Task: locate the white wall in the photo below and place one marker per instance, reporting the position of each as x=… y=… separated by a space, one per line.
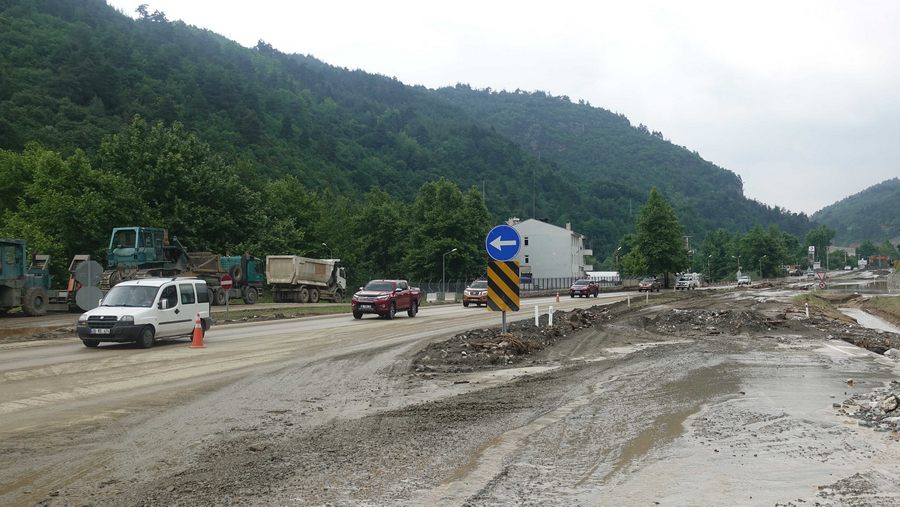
x=551 y=251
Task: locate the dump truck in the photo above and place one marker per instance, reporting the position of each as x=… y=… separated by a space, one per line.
x=142 y=252
x=295 y=279
x=245 y=272
x=28 y=288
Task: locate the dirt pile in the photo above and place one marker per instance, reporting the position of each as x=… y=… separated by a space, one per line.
x=489 y=348
x=878 y=409
x=697 y=322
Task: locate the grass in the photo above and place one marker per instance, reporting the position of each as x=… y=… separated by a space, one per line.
x=888 y=306
x=819 y=304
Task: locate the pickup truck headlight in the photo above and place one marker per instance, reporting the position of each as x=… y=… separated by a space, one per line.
x=127 y=319
x=383 y=298
x=82 y=317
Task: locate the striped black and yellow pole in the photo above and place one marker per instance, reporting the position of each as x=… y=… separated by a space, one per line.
x=503 y=288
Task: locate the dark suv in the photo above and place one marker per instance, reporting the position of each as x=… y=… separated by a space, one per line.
x=584 y=288
x=649 y=284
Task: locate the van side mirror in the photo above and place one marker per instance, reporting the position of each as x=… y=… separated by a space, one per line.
x=163 y=304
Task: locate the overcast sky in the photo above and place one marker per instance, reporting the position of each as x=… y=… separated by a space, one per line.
x=800 y=98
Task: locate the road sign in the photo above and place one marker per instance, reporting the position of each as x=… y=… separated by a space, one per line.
x=226 y=282
x=502 y=243
x=821 y=285
x=503 y=286
x=821 y=275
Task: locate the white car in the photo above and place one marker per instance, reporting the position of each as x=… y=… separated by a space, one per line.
x=743 y=280
x=145 y=310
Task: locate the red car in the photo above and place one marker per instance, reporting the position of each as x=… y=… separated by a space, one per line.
x=649 y=284
x=584 y=289
x=385 y=298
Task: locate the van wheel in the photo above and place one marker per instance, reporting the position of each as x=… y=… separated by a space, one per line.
x=90 y=343
x=146 y=340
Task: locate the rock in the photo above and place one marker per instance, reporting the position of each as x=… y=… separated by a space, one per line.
x=889 y=404
x=893 y=354
x=170 y=489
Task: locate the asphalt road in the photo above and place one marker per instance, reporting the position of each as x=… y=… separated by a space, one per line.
x=325 y=410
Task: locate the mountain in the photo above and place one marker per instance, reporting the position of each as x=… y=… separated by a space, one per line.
x=72 y=73
x=868 y=215
x=616 y=161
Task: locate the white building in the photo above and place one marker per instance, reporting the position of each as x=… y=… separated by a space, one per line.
x=549 y=251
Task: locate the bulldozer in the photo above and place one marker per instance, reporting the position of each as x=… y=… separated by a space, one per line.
x=142 y=252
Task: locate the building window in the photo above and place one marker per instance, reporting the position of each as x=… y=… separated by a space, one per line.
x=526 y=259
x=526 y=242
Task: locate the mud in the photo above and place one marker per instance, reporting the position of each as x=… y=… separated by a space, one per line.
x=720 y=398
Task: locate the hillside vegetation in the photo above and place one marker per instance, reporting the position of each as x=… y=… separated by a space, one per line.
x=84 y=86
x=873 y=215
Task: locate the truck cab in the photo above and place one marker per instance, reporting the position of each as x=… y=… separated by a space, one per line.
x=145 y=310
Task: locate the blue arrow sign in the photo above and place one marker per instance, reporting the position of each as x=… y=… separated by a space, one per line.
x=502 y=243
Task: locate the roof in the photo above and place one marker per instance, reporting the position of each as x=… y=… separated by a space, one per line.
x=157 y=282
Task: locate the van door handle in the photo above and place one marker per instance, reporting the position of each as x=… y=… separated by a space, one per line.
x=177 y=311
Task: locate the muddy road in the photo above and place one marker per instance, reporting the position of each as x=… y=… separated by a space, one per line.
x=703 y=398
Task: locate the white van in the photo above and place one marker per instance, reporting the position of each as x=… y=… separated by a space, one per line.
x=145 y=310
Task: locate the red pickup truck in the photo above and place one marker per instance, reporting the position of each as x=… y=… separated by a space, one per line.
x=385 y=298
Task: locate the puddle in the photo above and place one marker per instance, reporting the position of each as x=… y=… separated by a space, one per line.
x=870 y=321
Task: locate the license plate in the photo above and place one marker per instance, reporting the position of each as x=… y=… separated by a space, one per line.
x=365 y=307
x=99 y=330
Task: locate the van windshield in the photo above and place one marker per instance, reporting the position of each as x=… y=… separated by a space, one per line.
x=130 y=295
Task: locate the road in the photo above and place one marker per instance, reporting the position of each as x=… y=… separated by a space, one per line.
x=327 y=410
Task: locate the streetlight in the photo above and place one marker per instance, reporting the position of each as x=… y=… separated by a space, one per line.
x=708 y=271
x=738 y=257
x=617 y=258
x=760 y=265
x=330 y=251
x=443 y=266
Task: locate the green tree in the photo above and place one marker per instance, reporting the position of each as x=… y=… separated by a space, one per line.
x=715 y=254
x=660 y=236
x=187 y=188
x=68 y=207
x=866 y=249
x=443 y=218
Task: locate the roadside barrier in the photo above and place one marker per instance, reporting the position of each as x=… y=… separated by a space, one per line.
x=197 y=339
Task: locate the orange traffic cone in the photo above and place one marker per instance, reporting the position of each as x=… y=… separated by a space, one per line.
x=557 y=296
x=197 y=341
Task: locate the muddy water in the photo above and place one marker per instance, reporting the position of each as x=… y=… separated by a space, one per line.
x=870 y=321
x=778 y=441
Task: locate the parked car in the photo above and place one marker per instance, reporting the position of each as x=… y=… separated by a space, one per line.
x=476 y=293
x=743 y=280
x=385 y=298
x=649 y=284
x=584 y=288
x=145 y=310
x=848 y=268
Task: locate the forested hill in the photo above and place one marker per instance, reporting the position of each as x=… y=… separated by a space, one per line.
x=613 y=158
x=72 y=73
x=868 y=215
